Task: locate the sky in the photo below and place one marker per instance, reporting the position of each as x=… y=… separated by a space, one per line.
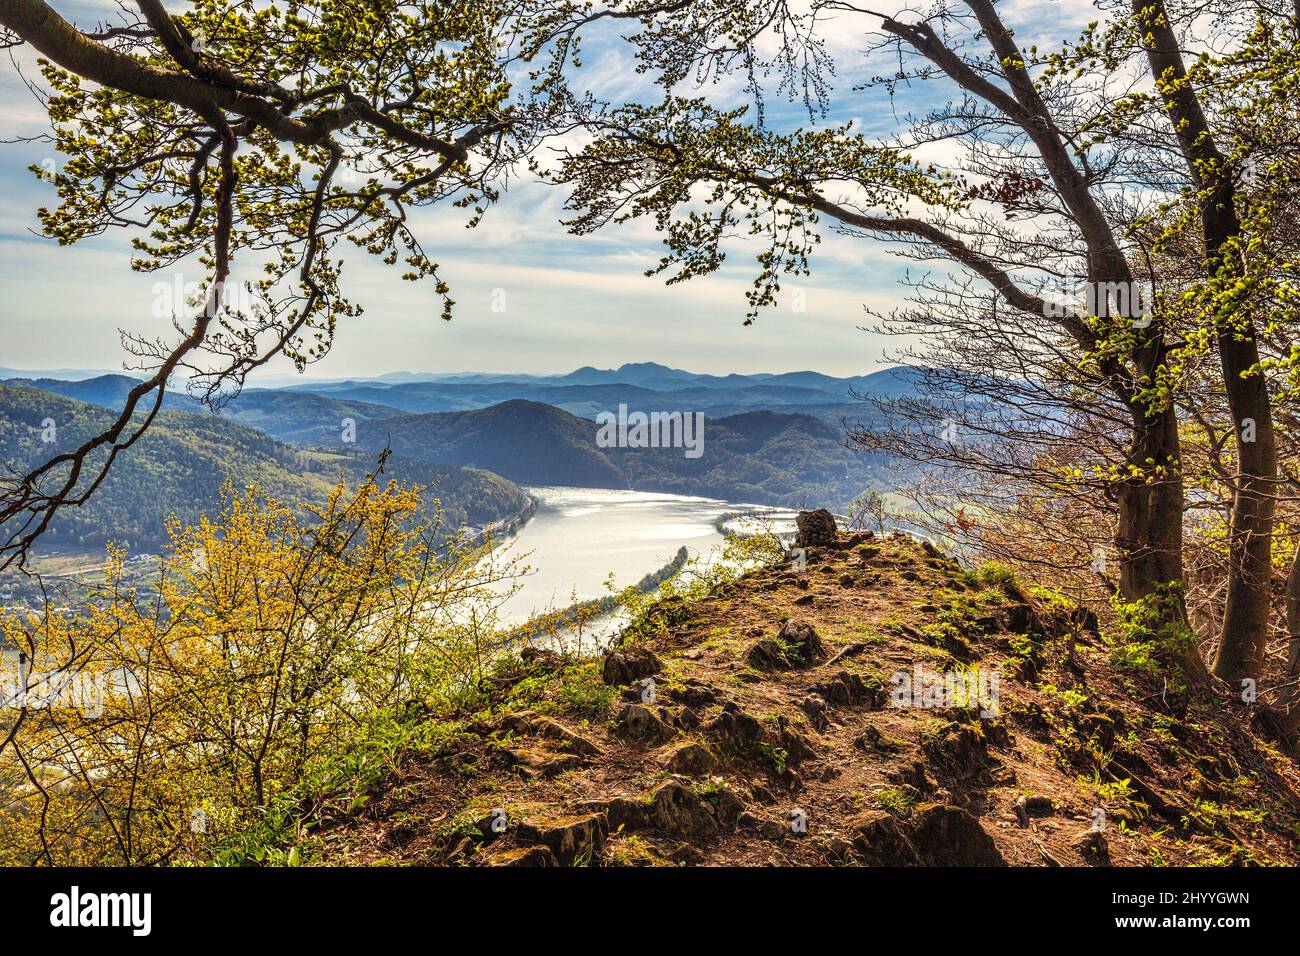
x=568 y=300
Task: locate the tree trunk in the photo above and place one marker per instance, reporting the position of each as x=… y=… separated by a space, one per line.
x=1286 y=715
x=1250 y=547
x=1150 y=528
x=1149 y=536
x=1246 y=613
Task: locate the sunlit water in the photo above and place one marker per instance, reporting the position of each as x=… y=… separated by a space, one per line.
x=578 y=537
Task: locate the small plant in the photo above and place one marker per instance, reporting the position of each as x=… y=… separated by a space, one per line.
x=668 y=605
x=630 y=850
x=868 y=512
x=1026 y=654
x=279 y=834
x=990 y=574
x=710 y=787
x=896 y=800
x=947 y=637
x=583 y=692
x=1070 y=699
x=777 y=755
x=867 y=635
x=1115 y=794
x=1148 y=635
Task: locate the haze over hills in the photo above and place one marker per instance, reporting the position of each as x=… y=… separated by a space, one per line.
x=585 y=392
x=418 y=393
x=758 y=457
x=288 y=415
x=774 y=439
x=182 y=462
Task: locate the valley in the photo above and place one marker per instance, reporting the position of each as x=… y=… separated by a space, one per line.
x=518 y=456
x=775 y=440
x=581 y=539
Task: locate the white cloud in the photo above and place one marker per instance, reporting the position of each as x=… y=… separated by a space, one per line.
x=570 y=300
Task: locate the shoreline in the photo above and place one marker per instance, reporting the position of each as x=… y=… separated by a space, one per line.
x=550 y=622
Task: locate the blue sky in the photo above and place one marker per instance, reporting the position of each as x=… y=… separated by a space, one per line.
x=570 y=301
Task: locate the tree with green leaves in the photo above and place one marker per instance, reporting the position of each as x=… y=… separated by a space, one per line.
x=272 y=136
x=1104 y=159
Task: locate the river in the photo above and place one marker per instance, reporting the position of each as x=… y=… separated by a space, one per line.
x=578 y=537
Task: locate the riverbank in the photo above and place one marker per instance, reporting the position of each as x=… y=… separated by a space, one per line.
x=582 y=544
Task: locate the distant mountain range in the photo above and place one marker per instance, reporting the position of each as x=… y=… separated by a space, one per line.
x=769 y=438
x=588 y=391
x=758 y=457
x=180 y=465
x=585 y=392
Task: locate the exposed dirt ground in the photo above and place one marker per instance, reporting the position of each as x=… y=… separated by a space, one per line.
x=765 y=741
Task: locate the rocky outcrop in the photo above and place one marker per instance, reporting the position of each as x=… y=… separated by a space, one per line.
x=766 y=654
x=526 y=722
x=679 y=812
x=949 y=836
x=628 y=665
x=691 y=693
x=871 y=739
x=934 y=835
x=536 y=763
x=572 y=839
x=797 y=746
x=541 y=659
x=845 y=689
x=689 y=759
x=880 y=841
x=643 y=724
x=757 y=746
x=803 y=646
x=796 y=644
x=814 y=705
x=622 y=812
x=765 y=827
x=960 y=751
x=1093 y=847
x=736 y=729
x=816 y=529
x=524 y=856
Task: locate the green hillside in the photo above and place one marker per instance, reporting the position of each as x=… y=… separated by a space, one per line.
x=759 y=457
x=300 y=417
x=291 y=416
x=531 y=442
x=181 y=464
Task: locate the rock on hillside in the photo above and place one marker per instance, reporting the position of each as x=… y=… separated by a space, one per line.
x=790 y=719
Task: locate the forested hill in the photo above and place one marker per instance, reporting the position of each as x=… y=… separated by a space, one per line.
x=301 y=412
x=904 y=710
x=289 y=415
x=761 y=457
x=180 y=465
x=792 y=455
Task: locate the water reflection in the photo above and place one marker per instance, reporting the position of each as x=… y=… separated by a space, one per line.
x=578 y=537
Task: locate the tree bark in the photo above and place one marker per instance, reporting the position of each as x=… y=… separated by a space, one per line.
x=1250 y=567
x=1149 y=529
x=1287 y=714
x=1149 y=533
